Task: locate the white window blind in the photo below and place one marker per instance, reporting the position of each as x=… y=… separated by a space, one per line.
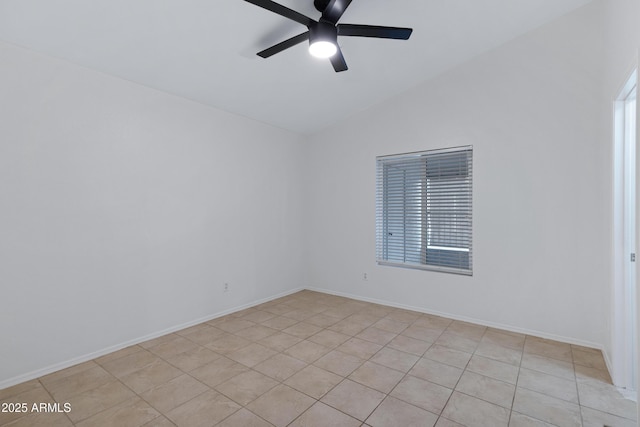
x=424 y=210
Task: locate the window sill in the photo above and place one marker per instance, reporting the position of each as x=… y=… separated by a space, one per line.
x=426 y=267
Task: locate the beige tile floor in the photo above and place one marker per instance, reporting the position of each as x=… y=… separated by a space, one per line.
x=311 y=359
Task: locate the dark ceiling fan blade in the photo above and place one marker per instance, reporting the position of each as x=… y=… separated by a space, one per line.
x=282 y=11
x=334 y=10
x=374 y=31
x=284 y=45
x=338 y=62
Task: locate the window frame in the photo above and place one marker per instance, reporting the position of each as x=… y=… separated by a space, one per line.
x=405 y=199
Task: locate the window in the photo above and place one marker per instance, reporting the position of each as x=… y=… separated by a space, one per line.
x=423 y=210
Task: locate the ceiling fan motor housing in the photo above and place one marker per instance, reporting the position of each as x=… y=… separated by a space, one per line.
x=321 y=5
x=323 y=31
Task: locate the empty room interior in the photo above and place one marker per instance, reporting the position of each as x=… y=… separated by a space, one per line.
x=201 y=224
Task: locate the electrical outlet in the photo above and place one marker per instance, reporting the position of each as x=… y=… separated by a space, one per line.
x=226 y=287
x=364 y=276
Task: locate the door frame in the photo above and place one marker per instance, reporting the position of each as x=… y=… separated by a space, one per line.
x=625 y=300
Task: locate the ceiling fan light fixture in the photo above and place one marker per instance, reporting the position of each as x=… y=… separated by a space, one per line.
x=322 y=49
x=323 y=40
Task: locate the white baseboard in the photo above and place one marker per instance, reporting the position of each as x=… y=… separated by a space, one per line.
x=607 y=362
x=84 y=358
x=90 y=356
x=568 y=340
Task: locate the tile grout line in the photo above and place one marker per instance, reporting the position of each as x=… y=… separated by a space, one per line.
x=453 y=390
x=515 y=391
x=575 y=378
x=52 y=398
x=401 y=379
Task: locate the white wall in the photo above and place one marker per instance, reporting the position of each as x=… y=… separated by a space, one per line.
x=532 y=111
x=123 y=210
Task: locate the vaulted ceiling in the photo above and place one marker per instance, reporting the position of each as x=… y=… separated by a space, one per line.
x=205 y=50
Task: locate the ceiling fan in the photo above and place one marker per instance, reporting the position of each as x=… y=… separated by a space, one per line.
x=323 y=33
